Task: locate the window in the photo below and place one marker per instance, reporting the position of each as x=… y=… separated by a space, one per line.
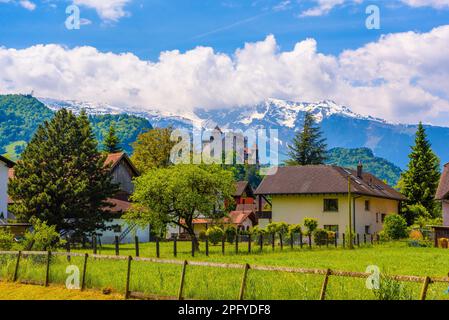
x=333 y=228
x=367 y=205
x=367 y=230
x=331 y=205
x=383 y=217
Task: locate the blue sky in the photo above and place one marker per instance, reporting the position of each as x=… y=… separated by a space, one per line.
x=178 y=55
x=153 y=26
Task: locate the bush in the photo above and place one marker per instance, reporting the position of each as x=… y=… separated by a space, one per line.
x=230 y=233
x=215 y=234
x=395 y=227
x=202 y=235
x=278 y=227
x=43 y=237
x=294 y=229
x=258 y=231
x=320 y=236
x=311 y=225
x=391 y=289
x=6 y=239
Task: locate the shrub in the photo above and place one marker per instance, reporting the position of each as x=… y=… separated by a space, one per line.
x=278 y=227
x=258 y=231
x=43 y=237
x=230 y=233
x=320 y=236
x=6 y=239
x=395 y=227
x=294 y=229
x=215 y=234
x=202 y=235
x=391 y=289
x=311 y=225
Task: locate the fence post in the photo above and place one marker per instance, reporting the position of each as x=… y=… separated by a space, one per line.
x=83 y=278
x=273 y=240
x=425 y=286
x=292 y=241
x=327 y=240
x=158 y=251
x=281 y=241
x=344 y=240
x=223 y=245
x=181 y=285
x=336 y=239
x=175 y=248
x=243 y=284
x=128 y=276
x=358 y=240
x=16 y=269
x=324 y=286
x=47 y=271
x=300 y=240
x=193 y=247
x=364 y=238
x=237 y=243
x=136 y=242
x=94 y=243
x=117 y=246
x=261 y=242
x=310 y=241
x=249 y=243
x=371 y=238
x=207 y=246
x=68 y=250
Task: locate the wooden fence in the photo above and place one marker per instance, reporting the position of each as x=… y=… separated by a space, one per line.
x=425 y=281
x=253 y=244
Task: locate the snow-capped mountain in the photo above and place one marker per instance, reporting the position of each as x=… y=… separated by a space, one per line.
x=341 y=126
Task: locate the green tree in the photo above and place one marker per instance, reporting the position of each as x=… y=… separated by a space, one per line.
x=111 y=143
x=152 y=149
x=420 y=182
x=395 y=227
x=62 y=178
x=308 y=147
x=179 y=194
x=311 y=225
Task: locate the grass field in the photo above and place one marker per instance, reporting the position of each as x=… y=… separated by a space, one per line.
x=217 y=283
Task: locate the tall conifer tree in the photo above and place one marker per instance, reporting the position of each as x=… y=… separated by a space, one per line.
x=309 y=146
x=62 y=179
x=420 y=182
x=111 y=143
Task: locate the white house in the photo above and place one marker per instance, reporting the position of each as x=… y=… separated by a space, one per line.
x=5 y=164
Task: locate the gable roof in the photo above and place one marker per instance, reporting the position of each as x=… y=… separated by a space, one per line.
x=8 y=162
x=241 y=187
x=114 y=160
x=323 y=179
x=443 y=187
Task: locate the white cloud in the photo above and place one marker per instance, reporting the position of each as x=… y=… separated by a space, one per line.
x=402 y=77
x=27 y=4
x=110 y=10
x=323 y=7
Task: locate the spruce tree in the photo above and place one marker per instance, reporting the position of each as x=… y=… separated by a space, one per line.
x=420 y=182
x=309 y=147
x=62 y=179
x=111 y=143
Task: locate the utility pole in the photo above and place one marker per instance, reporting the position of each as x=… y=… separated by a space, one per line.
x=351 y=243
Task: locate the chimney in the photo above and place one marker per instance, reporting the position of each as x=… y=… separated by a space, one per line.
x=360 y=170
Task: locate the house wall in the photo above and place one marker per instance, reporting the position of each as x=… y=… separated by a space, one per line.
x=293 y=210
x=108 y=237
x=123 y=175
x=3 y=189
x=446 y=212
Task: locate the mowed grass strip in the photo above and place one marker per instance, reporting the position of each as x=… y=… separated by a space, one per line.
x=15 y=291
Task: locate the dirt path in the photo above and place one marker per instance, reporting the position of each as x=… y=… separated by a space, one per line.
x=14 y=291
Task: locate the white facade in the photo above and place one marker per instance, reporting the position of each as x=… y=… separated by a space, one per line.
x=3 y=190
x=108 y=237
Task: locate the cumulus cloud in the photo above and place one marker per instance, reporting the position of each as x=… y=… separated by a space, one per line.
x=110 y=10
x=323 y=7
x=401 y=77
x=27 y=4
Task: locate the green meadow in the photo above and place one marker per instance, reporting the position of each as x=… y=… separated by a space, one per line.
x=221 y=284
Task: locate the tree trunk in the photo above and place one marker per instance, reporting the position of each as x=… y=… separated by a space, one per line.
x=192 y=235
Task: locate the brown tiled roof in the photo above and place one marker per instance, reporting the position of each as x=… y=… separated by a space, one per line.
x=443 y=187
x=240 y=187
x=321 y=179
x=119 y=206
x=235 y=217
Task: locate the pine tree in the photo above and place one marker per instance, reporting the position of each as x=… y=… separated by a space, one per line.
x=111 y=143
x=420 y=182
x=62 y=178
x=308 y=146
